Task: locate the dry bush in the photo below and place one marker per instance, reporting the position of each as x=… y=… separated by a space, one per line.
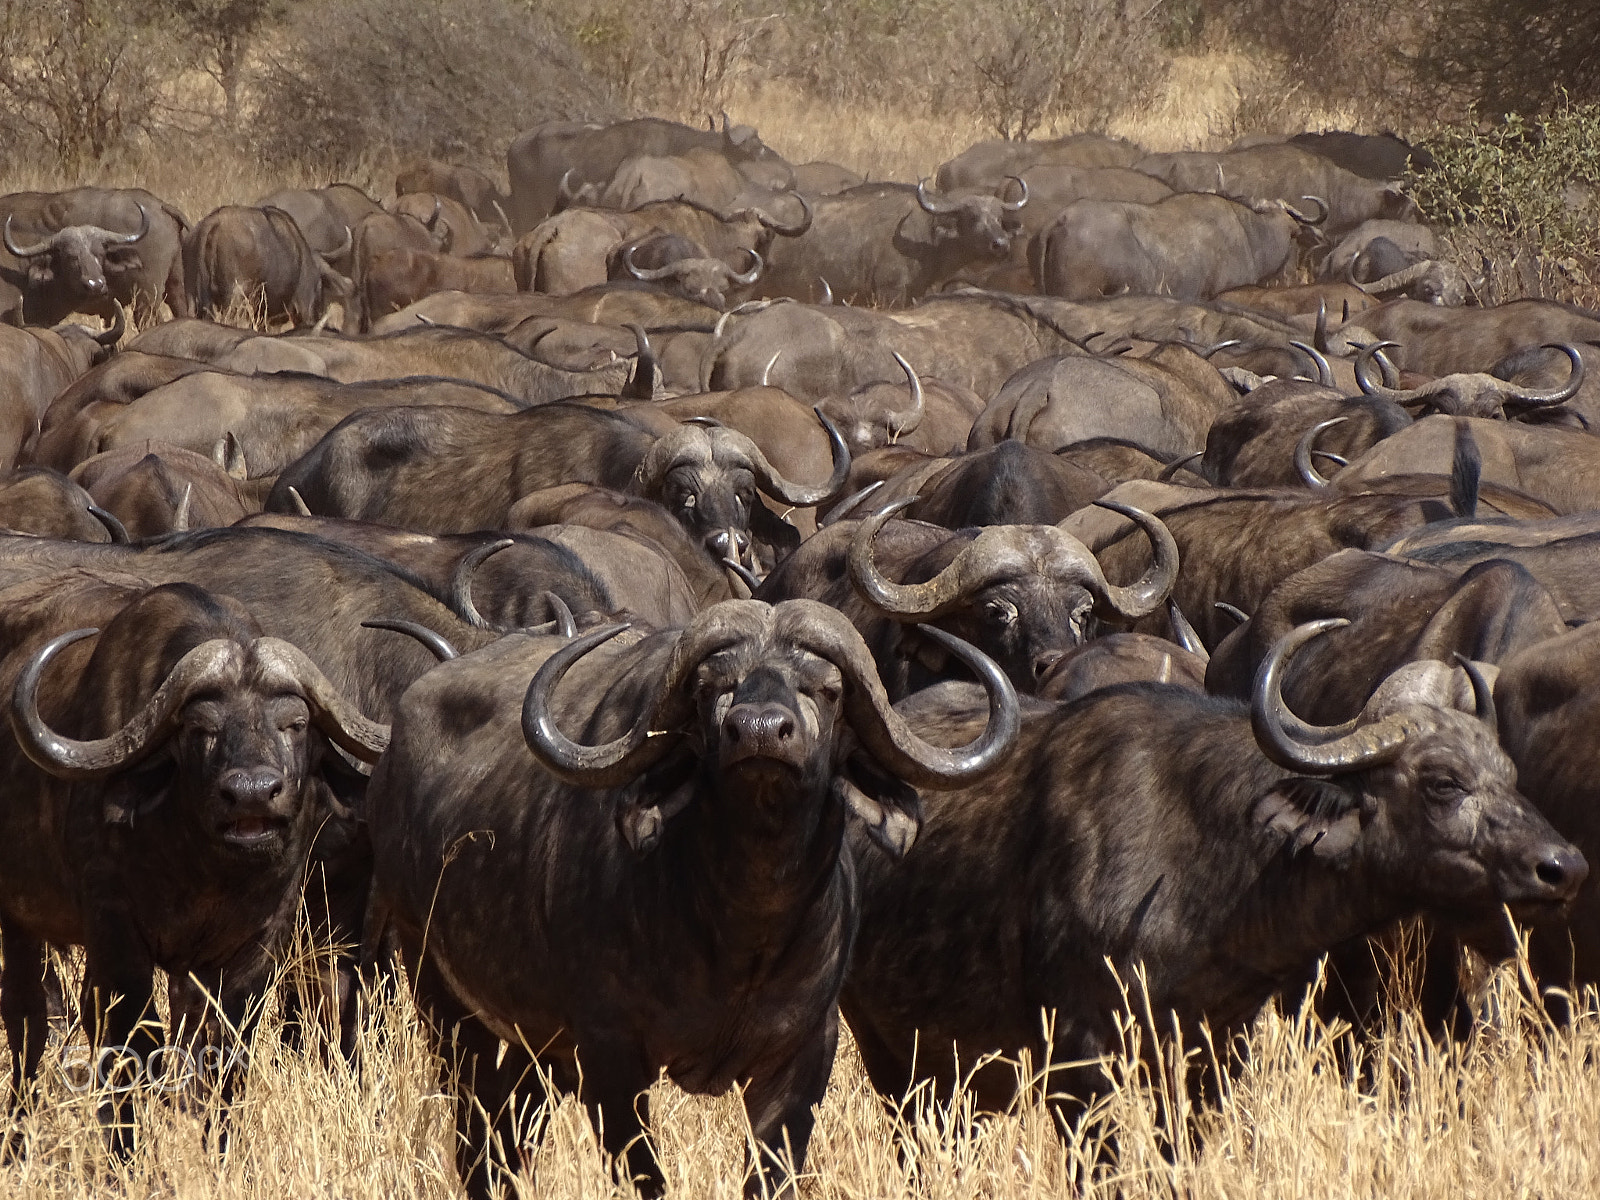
x=349 y=77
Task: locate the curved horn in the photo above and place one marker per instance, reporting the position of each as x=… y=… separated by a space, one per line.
x=1363 y=367
x=645 y=373
x=779 y=488
x=127 y=239
x=899 y=599
x=846 y=506
x=561 y=616
x=564 y=188
x=67 y=758
x=114 y=527
x=766 y=371
x=1000 y=193
x=119 y=326
x=24 y=251
x=827 y=292
x=1143 y=597
x=781 y=230
x=1303 y=450
x=745 y=574
x=1176 y=465
x=298 y=501
x=906 y=420
x=884 y=732
x=435 y=642
x=1206 y=352
x=180 y=519
x=930 y=204
x=461 y=581
x=1397 y=282
x=1324 y=370
x=752 y=274
x=1232 y=611
x=341 y=251
x=1319 y=332
x=331 y=711
x=606 y=765
x=438 y=208
x=1537 y=398
x=1482 y=693
x=1359 y=748
x=1322 y=215
x=1184 y=633
x=644 y=275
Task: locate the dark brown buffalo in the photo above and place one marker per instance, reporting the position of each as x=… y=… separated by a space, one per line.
x=36 y=366
x=1008 y=484
x=327 y=217
x=156 y=487
x=45 y=503
x=1370 y=155
x=464 y=185
x=1023 y=594
x=1397 y=612
x=681 y=268
x=930 y=415
x=450 y=223
x=1437 y=341
x=583 y=505
x=1189 y=246
x=1118 y=460
x=258 y=257
x=1165 y=400
x=985 y=164
x=1185 y=854
x=273 y=419
x=664 y=932
x=119 y=380
x=889 y=243
x=540 y=160
x=162 y=797
x=83 y=249
x=448 y=470
x=1267 y=438
x=1121 y=658
x=392 y=279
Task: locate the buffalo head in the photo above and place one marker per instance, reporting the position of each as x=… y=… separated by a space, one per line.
x=230 y=722
x=771 y=709
x=1023 y=594
x=879 y=413
x=983 y=222
x=707 y=476
x=77 y=259
x=1467 y=393
x=698 y=278
x=1420 y=780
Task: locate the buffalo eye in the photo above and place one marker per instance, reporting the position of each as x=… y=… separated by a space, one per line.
x=687 y=501
x=1001 y=612
x=1443 y=788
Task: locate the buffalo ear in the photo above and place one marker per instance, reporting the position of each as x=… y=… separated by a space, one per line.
x=1314 y=814
x=772 y=529
x=889 y=808
x=662 y=794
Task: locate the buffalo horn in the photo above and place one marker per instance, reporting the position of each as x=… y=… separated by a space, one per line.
x=906 y=421
x=1363 y=367
x=434 y=641
x=1323 y=369
x=651 y=274
x=300 y=505
x=782 y=230
x=67 y=758
x=745 y=574
x=115 y=528
x=827 y=293
x=180 y=519
x=766 y=371
x=1322 y=206
x=930 y=204
x=1306 y=446
x=461 y=581
x=1184 y=633
x=341 y=250
x=1012 y=205
x=561 y=616
x=779 y=488
x=750 y=276
x=119 y=326
x=1178 y=464
x=1232 y=611
x=1360 y=747
x=1319 y=333
x=848 y=505
x=1532 y=396
x=128 y=239
x=24 y=251
x=1143 y=597
x=331 y=711
x=643 y=385
x=1482 y=692
x=1206 y=352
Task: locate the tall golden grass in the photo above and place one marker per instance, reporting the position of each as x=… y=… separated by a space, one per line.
x=1311 y=1112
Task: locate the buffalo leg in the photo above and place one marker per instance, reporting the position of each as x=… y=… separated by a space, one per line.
x=121 y=1020
x=488 y=1086
x=782 y=1112
x=614 y=1092
x=22 y=1006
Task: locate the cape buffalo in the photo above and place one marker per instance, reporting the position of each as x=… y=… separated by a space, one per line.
x=259 y=257
x=673 y=892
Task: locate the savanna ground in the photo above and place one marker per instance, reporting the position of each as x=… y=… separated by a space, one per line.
x=1308 y=1111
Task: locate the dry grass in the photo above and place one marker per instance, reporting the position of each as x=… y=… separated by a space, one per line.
x=1514 y=1113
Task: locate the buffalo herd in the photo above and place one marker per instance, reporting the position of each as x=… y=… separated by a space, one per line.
x=693 y=598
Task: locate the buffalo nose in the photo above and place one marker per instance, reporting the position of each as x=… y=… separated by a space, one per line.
x=1561 y=869
x=95 y=286
x=729 y=543
x=758 y=729
x=251 y=789
x=1043 y=662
